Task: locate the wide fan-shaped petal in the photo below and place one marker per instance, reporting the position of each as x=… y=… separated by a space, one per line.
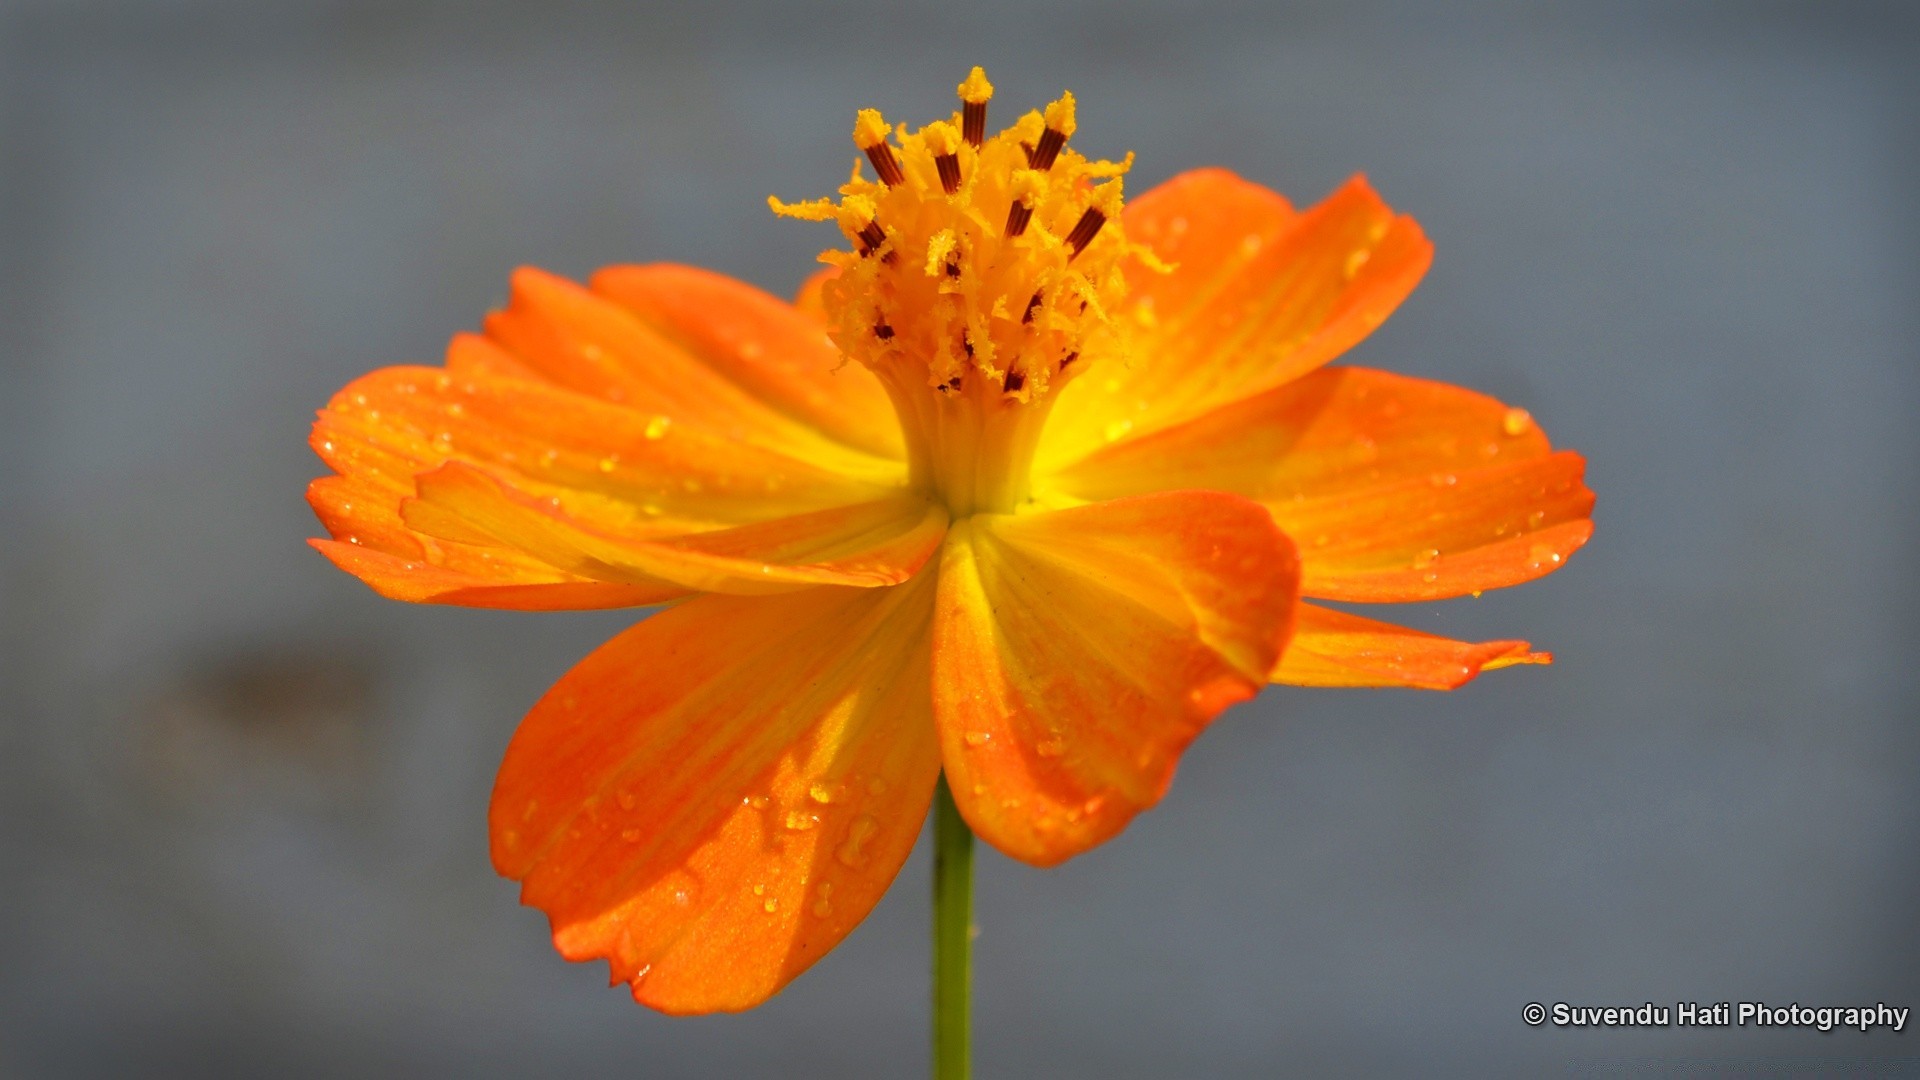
x=662 y=361
x=1258 y=296
x=717 y=796
x=566 y=460
x=1334 y=648
x=1394 y=488
x=1078 y=651
x=761 y=344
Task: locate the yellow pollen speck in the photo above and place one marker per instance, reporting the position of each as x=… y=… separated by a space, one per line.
x=869 y=129
x=941 y=138
x=1060 y=116
x=976 y=90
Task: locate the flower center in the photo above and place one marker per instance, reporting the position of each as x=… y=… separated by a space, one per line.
x=981 y=277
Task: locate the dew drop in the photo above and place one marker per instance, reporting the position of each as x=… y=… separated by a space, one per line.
x=760 y=890
x=977 y=738
x=770 y=906
x=1536 y=519
x=1118 y=429
x=852 y=850
x=826 y=793
x=609 y=463
x=1354 y=262
x=800 y=821
x=657 y=427
x=1051 y=747
x=1516 y=422
x=876 y=786
x=631 y=836
x=625 y=799
x=1426 y=558
x=823 y=906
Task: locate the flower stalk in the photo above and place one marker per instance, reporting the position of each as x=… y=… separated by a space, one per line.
x=952 y=937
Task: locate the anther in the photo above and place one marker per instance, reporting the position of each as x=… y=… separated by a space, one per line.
x=1032 y=306
x=973 y=107
x=1013 y=382
x=944 y=144
x=883 y=331
x=1085 y=230
x=1068 y=359
x=1060 y=125
x=870 y=135
x=871 y=237
x=1026 y=191
x=1017 y=217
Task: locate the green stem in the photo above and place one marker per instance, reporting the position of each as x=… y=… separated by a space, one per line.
x=952 y=936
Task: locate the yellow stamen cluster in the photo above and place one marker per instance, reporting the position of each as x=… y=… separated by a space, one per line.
x=981 y=277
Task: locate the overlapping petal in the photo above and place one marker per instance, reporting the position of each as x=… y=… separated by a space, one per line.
x=1077 y=652
x=717 y=796
x=1258 y=295
x=761 y=344
x=1334 y=648
x=623 y=474
x=647 y=357
x=1394 y=488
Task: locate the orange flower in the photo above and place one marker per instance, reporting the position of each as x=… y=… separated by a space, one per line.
x=1025 y=487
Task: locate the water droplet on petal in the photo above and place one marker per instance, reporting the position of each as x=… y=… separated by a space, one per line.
x=1516 y=422
x=1536 y=519
x=852 y=850
x=772 y=905
x=1426 y=558
x=977 y=738
x=800 y=821
x=1354 y=262
x=657 y=427
x=631 y=836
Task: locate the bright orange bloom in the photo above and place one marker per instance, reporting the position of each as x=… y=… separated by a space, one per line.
x=1024 y=487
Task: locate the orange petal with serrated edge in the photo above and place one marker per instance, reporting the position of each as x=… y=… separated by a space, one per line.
x=605 y=468
x=716 y=797
x=586 y=342
x=1394 y=488
x=1077 y=652
x=869 y=544
x=1258 y=297
x=1333 y=648
x=761 y=344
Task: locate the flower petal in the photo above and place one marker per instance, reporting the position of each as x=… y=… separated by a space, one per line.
x=606 y=468
x=374 y=545
x=716 y=797
x=1333 y=648
x=761 y=344
x=1452 y=534
x=870 y=544
x=1395 y=488
x=589 y=343
x=1078 y=651
x=1258 y=298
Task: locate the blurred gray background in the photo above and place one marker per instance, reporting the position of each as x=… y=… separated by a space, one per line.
x=242 y=799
